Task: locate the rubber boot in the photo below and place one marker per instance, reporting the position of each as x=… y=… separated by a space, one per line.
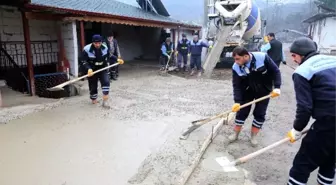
x=185 y=69
x=192 y=72
x=233 y=137
x=254 y=133
x=199 y=74
x=105 y=102
x=94 y=101
x=114 y=76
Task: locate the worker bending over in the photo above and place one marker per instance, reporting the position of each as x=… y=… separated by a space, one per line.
x=196 y=51
x=167 y=49
x=253 y=76
x=94 y=57
x=182 y=52
x=315 y=90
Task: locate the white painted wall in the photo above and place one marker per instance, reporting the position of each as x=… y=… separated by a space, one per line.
x=11 y=30
x=324 y=34
x=69 y=35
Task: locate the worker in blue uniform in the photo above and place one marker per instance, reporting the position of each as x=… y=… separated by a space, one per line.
x=182 y=52
x=315 y=90
x=195 y=51
x=253 y=76
x=94 y=57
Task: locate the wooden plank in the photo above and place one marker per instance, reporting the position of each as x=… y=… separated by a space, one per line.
x=186 y=175
x=29 y=58
x=43 y=16
x=82 y=33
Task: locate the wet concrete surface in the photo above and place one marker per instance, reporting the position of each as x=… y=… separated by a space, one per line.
x=72 y=142
x=75 y=142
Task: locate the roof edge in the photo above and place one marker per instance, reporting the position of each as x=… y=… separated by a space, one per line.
x=80 y=12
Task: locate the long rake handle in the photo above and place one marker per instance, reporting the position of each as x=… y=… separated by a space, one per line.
x=94 y=72
x=263 y=150
x=203 y=121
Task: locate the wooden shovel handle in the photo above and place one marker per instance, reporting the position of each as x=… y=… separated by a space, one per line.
x=261 y=151
x=203 y=121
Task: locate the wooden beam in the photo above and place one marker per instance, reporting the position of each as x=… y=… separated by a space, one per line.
x=44 y=16
x=81 y=32
x=29 y=57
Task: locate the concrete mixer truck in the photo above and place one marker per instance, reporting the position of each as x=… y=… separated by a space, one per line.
x=231 y=23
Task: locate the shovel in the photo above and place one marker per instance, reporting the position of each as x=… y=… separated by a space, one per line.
x=167 y=65
x=60 y=86
x=198 y=123
x=246 y=158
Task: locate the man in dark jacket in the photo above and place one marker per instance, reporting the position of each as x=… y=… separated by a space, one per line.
x=94 y=57
x=195 y=51
x=315 y=89
x=274 y=50
x=114 y=54
x=182 y=49
x=253 y=76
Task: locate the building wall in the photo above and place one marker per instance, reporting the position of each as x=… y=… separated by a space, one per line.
x=11 y=30
x=324 y=34
x=135 y=41
x=327 y=36
x=69 y=35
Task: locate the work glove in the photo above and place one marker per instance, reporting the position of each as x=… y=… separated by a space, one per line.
x=188 y=54
x=275 y=93
x=235 y=107
x=176 y=52
x=120 y=61
x=294 y=135
x=90 y=72
x=284 y=62
x=210 y=47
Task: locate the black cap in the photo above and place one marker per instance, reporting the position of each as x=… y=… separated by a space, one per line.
x=97 y=38
x=303 y=46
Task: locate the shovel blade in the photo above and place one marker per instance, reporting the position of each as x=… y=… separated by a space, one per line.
x=56 y=88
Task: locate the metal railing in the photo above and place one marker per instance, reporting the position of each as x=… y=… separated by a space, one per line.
x=43 y=52
x=14 y=75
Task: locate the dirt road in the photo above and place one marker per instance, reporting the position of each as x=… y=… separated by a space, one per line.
x=136 y=142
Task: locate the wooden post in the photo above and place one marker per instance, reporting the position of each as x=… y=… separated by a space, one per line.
x=26 y=33
x=81 y=31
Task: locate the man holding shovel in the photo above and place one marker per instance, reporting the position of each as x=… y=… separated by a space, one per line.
x=253 y=76
x=315 y=90
x=95 y=56
x=167 y=49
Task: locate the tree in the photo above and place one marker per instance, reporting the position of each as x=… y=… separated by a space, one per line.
x=330 y=3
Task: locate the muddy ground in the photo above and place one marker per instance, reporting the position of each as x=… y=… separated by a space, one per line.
x=71 y=142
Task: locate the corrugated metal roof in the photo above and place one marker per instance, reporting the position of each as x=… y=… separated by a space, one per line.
x=110 y=7
x=319 y=16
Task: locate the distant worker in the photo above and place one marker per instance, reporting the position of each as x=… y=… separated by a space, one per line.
x=274 y=49
x=94 y=57
x=114 y=55
x=195 y=51
x=315 y=91
x=253 y=76
x=182 y=52
x=167 y=50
